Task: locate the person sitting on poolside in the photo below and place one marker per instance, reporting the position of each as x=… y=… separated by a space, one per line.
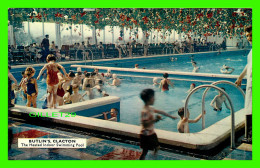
x=113 y=115
x=184 y=122
x=226 y=69
x=218 y=100
x=164 y=84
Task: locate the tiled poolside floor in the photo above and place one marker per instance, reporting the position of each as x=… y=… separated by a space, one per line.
x=97 y=148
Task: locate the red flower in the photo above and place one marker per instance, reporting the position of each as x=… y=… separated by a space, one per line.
x=200 y=15
x=31 y=17
x=194 y=23
x=82 y=14
x=96 y=21
x=241 y=25
x=128 y=18
x=209 y=15
x=120 y=38
x=183 y=29
x=58 y=15
x=38 y=16
x=145 y=19
x=217 y=24
x=234 y=14
x=135 y=22
x=158 y=20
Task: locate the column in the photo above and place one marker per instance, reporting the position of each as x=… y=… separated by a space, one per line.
x=104 y=35
x=157 y=34
x=58 y=35
x=151 y=36
x=82 y=32
x=113 y=40
x=71 y=34
x=43 y=34
x=173 y=35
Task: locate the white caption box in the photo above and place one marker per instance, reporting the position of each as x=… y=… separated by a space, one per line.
x=52 y=143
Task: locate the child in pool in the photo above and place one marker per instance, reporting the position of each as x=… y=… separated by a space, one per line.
x=67 y=95
x=87 y=83
x=76 y=97
x=184 y=122
x=52 y=78
x=108 y=74
x=218 y=100
x=32 y=88
x=195 y=67
x=113 y=115
x=148 y=138
x=60 y=90
x=192 y=86
x=68 y=80
x=116 y=81
x=164 y=84
x=155 y=81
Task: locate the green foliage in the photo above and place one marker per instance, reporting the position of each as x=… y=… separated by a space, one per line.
x=230 y=22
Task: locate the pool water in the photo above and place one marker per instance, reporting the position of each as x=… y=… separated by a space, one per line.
x=170 y=101
x=211 y=63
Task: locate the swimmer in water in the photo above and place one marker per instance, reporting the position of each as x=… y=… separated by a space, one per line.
x=116 y=81
x=67 y=95
x=164 y=84
x=192 y=86
x=218 y=100
x=195 y=67
x=136 y=66
x=76 y=97
x=184 y=122
x=226 y=69
x=155 y=81
x=113 y=115
x=108 y=74
x=52 y=78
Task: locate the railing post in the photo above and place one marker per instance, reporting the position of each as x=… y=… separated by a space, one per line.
x=232 y=134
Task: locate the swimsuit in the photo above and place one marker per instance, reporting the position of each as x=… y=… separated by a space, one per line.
x=60 y=92
x=165 y=86
x=30 y=87
x=52 y=77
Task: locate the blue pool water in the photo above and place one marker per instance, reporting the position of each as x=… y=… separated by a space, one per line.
x=207 y=62
x=131 y=104
x=129 y=91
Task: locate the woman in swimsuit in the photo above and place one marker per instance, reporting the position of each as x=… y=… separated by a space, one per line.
x=164 y=84
x=52 y=78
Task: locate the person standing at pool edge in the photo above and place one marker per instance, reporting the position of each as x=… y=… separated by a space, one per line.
x=52 y=78
x=248 y=98
x=148 y=138
x=248 y=72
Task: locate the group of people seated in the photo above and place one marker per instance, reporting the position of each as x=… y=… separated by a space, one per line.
x=62 y=88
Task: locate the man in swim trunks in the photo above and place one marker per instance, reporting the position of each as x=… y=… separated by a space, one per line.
x=218 y=100
x=52 y=78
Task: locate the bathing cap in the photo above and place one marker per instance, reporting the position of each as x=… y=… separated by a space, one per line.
x=155 y=80
x=79 y=69
x=114 y=76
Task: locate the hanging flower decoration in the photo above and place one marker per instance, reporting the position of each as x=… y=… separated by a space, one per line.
x=58 y=15
x=227 y=21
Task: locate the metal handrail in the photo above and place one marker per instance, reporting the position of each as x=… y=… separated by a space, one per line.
x=206 y=90
x=231 y=105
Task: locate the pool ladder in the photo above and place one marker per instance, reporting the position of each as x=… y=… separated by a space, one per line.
x=203 y=104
